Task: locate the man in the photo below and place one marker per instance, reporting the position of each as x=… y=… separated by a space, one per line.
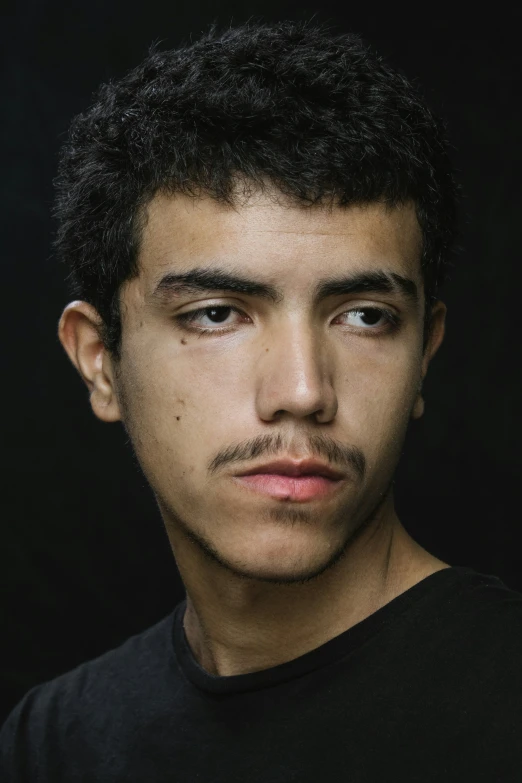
x=257 y=227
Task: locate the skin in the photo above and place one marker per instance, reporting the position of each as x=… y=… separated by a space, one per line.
x=269 y=579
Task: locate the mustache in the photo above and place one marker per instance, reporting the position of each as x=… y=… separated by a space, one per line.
x=321 y=446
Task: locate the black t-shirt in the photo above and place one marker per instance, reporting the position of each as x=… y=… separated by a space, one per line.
x=428 y=688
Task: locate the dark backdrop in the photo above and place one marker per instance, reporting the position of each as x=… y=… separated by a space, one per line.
x=83 y=557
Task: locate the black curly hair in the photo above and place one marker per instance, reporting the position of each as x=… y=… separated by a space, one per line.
x=318 y=116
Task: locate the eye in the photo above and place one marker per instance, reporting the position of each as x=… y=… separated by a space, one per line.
x=369 y=318
x=207 y=317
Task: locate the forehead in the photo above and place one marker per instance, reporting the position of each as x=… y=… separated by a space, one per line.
x=276 y=239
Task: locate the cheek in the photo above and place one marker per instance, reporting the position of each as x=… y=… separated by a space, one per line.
x=381 y=370
x=179 y=410
x=376 y=397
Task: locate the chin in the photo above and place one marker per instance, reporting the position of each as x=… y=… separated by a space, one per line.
x=280 y=559
x=279 y=573
x=289 y=546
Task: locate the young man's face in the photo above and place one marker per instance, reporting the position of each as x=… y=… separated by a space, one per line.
x=321 y=358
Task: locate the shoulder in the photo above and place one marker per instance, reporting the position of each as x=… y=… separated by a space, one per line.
x=471 y=607
x=102 y=679
x=491 y=623
x=485 y=603
x=460 y=633
x=85 y=706
x=472 y=640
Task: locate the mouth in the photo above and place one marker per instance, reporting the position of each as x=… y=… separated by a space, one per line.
x=292 y=480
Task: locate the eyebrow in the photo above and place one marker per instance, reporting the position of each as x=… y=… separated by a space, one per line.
x=206 y=280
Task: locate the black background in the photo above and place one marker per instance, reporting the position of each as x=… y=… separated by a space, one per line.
x=83 y=557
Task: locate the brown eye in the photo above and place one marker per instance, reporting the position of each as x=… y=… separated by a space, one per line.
x=370 y=316
x=370 y=320
x=204 y=319
x=365 y=317
x=217 y=314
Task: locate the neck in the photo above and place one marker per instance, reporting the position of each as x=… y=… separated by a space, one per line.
x=235 y=626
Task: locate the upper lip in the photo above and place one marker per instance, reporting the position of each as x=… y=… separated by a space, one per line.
x=290 y=467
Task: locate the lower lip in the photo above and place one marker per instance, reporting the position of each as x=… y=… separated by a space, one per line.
x=297 y=488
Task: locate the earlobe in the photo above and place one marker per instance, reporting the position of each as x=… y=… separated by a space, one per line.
x=436 y=336
x=79 y=331
x=418 y=407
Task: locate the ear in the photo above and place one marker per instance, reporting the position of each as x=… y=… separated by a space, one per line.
x=79 y=332
x=435 y=338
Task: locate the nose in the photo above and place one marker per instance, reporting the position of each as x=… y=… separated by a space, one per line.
x=293 y=376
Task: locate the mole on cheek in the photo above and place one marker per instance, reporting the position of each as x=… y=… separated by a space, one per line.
x=178 y=418
x=183 y=341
